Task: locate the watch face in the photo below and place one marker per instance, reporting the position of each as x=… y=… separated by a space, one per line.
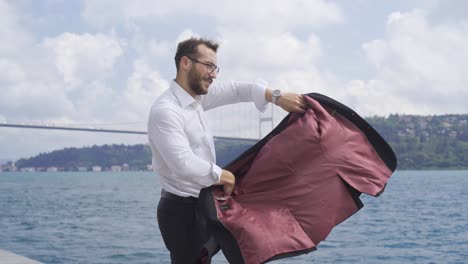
x=276 y=92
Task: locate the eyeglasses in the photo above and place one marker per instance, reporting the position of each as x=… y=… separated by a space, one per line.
x=209 y=66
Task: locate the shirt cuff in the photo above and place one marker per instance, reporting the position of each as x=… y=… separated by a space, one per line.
x=258 y=95
x=216 y=173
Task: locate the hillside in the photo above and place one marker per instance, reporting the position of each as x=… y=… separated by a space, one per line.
x=426 y=142
x=137 y=157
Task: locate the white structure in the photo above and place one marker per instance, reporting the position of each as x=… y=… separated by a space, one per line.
x=8 y=167
x=82 y=169
x=116 y=168
x=52 y=169
x=96 y=168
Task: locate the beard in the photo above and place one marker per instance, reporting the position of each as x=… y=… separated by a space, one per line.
x=195 y=82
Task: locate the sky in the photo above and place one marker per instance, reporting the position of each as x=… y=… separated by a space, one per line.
x=91 y=63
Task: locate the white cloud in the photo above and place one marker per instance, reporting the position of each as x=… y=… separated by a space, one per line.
x=10 y=72
x=143 y=86
x=265 y=14
x=276 y=15
x=159 y=48
x=267 y=52
x=448 y=11
x=14 y=38
x=150 y=47
x=373 y=97
x=376 y=52
x=185 y=34
x=24 y=97
x=62 y=78
x=81 y=58
x=421 y=68
x=28 y=88
x=28 y=100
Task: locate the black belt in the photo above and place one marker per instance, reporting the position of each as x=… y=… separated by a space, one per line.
x=171 y=196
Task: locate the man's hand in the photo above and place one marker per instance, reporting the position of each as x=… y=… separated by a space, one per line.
x=292 y=102
x=228 y=181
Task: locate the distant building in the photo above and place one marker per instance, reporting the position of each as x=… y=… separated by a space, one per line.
x=410 y=132
x=453 y=134
x=446 y=124
x=52 y=169
x=82 y=169
x=28 y=169
x=9 y=167
x=423 y=123
x=116 y=168
x=96 y=168
x=125 y=167
x=149 y=167
x=405 y=118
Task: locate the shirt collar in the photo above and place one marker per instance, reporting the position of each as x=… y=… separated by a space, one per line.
x=185 y=99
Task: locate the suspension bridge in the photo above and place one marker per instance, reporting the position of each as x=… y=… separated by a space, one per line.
x=232 y=122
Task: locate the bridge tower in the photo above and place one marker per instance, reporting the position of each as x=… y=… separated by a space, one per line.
x=265 y=119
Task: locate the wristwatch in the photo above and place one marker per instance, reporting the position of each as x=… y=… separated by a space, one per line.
x=275 y=95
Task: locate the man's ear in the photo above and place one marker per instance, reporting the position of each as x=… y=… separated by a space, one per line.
x=185 y=63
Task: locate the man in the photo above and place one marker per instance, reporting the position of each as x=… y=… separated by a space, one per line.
x=183 y=147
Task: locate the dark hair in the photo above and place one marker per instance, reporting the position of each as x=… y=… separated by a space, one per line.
x=189 y=48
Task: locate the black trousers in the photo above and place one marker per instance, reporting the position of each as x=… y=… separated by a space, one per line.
x=184 y=230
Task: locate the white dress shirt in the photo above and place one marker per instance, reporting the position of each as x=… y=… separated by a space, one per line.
x=180 y=140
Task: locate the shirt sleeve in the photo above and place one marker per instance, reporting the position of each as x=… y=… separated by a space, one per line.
x=224 y=93
x=166 y=133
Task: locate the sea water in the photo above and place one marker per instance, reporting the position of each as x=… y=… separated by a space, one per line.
x=85 y=217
